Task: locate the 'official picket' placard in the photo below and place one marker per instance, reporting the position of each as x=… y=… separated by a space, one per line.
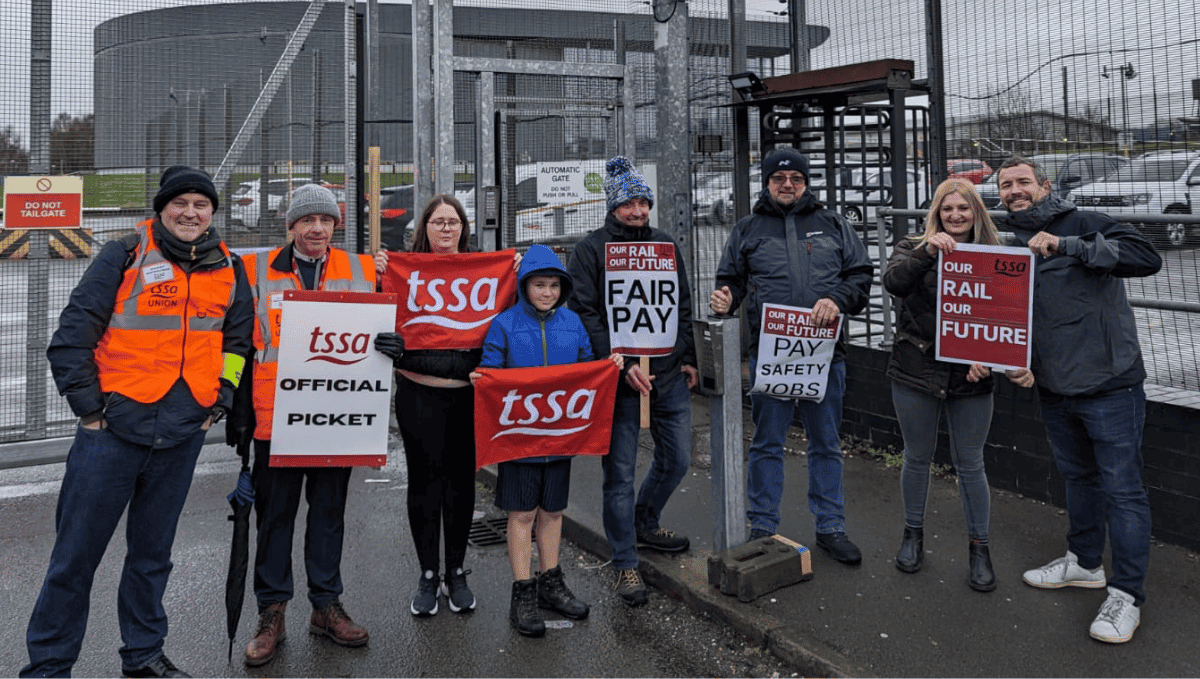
x=985 y=305
x=641 y=292
x=333 y=390
x=793 y=354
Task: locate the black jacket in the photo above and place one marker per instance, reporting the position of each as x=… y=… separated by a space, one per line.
x=176 y=416
x=832 y=261
x=911 y=276
x=586 y=268
x=1084 y=336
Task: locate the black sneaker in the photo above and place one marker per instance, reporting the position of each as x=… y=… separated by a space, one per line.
x=163 y=667
x=458 y=595
x=662 y=540
x=425 y=601
x=759 y=533
x=839 y=547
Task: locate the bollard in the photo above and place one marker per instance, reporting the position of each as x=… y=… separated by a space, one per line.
x=718 y=349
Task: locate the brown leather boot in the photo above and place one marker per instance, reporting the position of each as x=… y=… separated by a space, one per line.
x=270 y=633
x=333 y=622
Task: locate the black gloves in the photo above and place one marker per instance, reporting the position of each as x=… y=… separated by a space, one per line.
x=224 y=401
x=390 y=344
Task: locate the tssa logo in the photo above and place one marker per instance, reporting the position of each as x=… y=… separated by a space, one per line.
x=577 y=407
x=163 y=295
x=341 y=348
x=481 y=297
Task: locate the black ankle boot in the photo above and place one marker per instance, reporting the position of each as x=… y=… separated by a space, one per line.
x=983 y=579
x=912 y=550
x=523 y=612
x=553 y=594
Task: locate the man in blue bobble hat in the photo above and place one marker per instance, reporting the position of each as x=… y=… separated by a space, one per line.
x=632 y=520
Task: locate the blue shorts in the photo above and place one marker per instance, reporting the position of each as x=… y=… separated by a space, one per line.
x=526 y=486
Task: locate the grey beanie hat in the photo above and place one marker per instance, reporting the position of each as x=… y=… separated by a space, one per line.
x=623 y=183
x=312 y=199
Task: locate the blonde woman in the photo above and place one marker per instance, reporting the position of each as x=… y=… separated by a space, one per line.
x=924 y=388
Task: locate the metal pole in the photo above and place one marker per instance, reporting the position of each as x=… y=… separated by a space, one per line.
x=37 y=289
x=671 y=99
x=937 y=94
x=799 y=29
x=422 y=107
x=725 y=430
x=351 y=167
x=741 y=114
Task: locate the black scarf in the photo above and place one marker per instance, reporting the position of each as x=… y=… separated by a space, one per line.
x=182 y=252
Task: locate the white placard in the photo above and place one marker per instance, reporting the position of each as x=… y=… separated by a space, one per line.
x=793 y=355
x=333 y=390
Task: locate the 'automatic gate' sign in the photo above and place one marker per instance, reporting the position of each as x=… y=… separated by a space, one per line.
x=985 y=305
x=793 y=354
x=641 y=292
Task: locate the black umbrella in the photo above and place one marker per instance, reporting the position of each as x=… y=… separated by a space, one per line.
x=240 y=500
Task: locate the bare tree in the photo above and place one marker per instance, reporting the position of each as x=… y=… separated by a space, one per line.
x=14 y=159
x=72 y=143
x=1011 y=117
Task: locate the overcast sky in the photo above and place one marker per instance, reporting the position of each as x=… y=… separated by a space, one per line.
x=1086 y=36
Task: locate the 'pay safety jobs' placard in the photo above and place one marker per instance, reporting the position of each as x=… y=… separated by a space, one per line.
x=985 y=305
x=793 y=354
x=333 y=390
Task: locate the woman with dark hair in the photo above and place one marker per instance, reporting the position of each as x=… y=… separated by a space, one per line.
x=923 y=387
x=435 y=408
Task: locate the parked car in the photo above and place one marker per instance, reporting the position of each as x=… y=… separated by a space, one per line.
x=1066 y=172
x=398 y=213
x=1157 y=183
x=870 y=188
x=975 y=171
x=246 y=209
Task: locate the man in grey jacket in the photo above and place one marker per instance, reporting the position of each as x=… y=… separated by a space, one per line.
x=793 y=251
x=1088 y=367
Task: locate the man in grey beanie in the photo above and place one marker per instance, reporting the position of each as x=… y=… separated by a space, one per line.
x=633 y=521
x=791 y=250
x=307 y=263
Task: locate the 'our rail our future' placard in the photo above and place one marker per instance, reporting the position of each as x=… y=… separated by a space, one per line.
x=985 y=305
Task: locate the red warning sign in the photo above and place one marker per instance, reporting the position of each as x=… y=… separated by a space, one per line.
x=43 y=202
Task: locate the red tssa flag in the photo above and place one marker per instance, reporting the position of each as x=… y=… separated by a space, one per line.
x=448 y=301
x=553 y=410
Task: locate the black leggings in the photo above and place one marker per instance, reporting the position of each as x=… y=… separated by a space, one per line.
x=438 y=429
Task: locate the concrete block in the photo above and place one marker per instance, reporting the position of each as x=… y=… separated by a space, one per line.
x=760 y=566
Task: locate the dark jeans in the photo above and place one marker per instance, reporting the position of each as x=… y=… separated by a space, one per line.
x=1097 y=444
x=671 y=429
x=276 y=501
x=822 y=423
x=105 y=475
x=438 y=429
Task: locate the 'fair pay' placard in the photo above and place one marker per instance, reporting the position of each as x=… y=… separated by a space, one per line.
x=641 y=292
x=793 y=354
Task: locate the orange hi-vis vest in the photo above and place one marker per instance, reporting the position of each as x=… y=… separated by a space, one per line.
x=166 y=324
x=343 y=272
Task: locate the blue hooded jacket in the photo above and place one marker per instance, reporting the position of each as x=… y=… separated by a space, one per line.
x=523 y=337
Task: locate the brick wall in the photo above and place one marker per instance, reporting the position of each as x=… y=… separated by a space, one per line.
x=1018 y=456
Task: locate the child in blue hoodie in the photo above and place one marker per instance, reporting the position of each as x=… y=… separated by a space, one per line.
x=537 y=331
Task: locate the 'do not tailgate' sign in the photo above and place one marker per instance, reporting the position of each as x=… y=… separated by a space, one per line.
x=641 y=292
x=985 y=305
x=333 y=390
x=43 y=202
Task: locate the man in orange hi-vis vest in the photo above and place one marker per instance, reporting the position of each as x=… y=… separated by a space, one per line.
x=148 y=352
x=307 y=263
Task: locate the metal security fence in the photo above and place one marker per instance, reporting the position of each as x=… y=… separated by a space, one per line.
x=480 y=97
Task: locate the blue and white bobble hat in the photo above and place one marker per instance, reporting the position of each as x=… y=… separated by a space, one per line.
x=623 y=183
x=784 y=158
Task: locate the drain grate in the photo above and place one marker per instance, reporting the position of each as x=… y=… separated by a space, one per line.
x=488 y=532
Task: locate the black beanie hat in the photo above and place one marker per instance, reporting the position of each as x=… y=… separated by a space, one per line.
x=180 y=179
x=784 y=158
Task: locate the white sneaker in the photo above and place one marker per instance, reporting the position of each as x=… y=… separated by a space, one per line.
x=1065 y=572
x=1117 y=619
